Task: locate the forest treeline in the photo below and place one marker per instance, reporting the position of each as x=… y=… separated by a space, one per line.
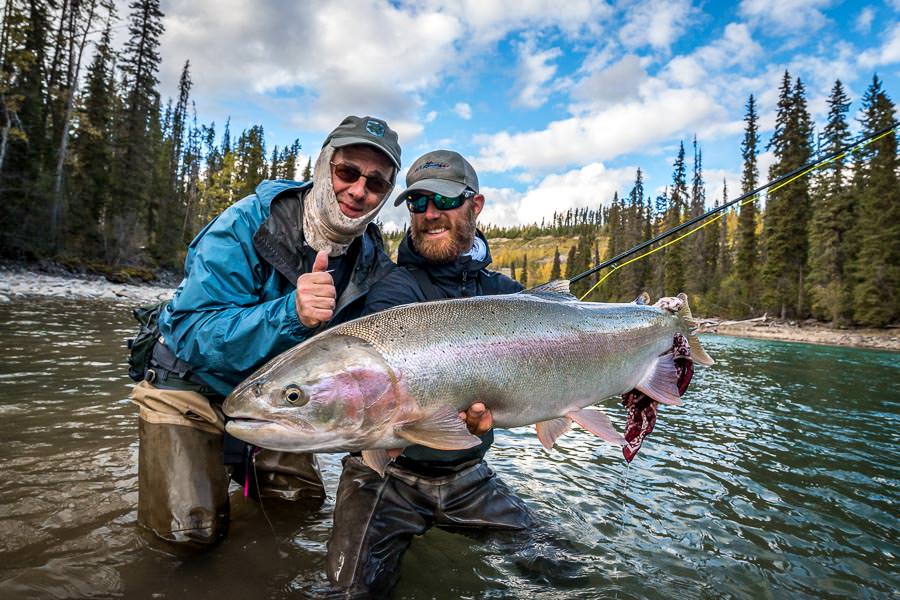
x=96 y=169
x=826 y=246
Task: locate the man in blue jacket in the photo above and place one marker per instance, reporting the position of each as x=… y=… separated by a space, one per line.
x=269 y=272
x=375 y=518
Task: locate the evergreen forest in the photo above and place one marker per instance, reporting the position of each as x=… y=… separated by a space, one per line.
x=98 y=171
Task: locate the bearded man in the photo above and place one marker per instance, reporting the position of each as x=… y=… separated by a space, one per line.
x=442 y=256
x=269 y=272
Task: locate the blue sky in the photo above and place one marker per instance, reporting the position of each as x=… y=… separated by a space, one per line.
x=556 y=104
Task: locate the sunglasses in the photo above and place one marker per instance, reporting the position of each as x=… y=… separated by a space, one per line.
x=417 y=202
x=350 y=174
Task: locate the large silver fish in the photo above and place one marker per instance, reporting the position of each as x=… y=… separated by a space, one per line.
x=399 y=377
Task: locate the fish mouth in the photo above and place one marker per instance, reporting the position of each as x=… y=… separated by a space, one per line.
x=273 y=435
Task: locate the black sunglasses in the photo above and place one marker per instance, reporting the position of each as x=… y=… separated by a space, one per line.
x=350 y=174
x=417 y=202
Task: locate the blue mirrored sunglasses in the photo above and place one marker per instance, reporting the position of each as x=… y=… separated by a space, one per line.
x=417 y=202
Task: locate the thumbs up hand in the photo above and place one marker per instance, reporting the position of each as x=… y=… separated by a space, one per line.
x=315 y=295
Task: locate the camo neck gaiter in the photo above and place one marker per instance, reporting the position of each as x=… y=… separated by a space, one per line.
x=325 y=227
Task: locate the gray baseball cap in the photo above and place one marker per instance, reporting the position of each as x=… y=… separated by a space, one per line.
x=443 y=172
x=370 y=131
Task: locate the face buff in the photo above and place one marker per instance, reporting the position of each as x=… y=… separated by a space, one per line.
x=325 y=227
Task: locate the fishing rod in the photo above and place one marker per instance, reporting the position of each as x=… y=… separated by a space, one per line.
x=786 y=178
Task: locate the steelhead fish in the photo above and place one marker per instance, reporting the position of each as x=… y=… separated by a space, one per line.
x=401 y=376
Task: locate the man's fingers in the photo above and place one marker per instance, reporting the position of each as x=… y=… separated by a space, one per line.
x=321 y=263
x=478 y=418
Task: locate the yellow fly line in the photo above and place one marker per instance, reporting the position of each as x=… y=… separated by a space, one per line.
x=816 y=166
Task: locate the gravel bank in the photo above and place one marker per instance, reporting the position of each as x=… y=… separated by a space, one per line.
x=18 y=283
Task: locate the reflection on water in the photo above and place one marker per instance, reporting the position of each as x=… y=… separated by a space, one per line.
x=777 y=478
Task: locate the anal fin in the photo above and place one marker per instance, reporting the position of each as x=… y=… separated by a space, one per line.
x=597 y=423
x=550 y=431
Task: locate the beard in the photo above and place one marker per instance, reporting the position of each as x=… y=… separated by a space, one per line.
x=448 y=249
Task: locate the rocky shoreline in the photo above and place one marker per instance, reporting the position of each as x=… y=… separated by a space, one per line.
x=808 y=332
x=18 y=282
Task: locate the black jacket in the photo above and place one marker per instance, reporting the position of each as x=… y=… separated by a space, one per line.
x=463 y=278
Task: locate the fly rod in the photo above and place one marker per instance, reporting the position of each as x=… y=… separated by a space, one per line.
x=809 y=167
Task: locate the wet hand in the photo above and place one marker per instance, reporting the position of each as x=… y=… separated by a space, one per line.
x=315 y=295
x=478 y=418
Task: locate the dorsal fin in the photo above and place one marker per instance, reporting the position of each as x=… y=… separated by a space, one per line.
x=556 y=288
x=643 y=299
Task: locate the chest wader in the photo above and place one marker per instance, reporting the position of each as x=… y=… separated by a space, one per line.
x=184 y=467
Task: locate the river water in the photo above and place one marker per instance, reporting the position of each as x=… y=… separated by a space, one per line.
x=777 y=478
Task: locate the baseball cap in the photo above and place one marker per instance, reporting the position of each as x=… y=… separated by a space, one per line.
x=443 y=172
x=370 y=131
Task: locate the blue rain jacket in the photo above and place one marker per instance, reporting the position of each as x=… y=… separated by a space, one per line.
x=235 y=308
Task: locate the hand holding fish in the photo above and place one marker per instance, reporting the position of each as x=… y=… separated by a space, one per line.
x=478 y=418
x=315 y=295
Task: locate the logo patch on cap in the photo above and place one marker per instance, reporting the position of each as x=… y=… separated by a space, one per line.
x=375 y=128
x=432 y=165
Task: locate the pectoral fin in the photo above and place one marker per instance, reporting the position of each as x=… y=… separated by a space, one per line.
x=597 y=423
x=377 y=460
x=549 y=431
x=441 y=430
x=661 y=381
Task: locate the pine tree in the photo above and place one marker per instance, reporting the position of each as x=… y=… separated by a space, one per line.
x=747 y=267
x=89 y=190
x=787 y=210
x=674 y=278
x=702 y=269
x=556 y=270
x=24 y=185
x=833 y=220
x=137 y=157
x=524 y=279
x=307 y=171
x=876 y=268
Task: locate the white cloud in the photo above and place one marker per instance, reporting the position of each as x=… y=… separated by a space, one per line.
x=655 y=23
x=783 y=17
x=591 y=185
x=619 y=82
x=736 y=47
x=613 y=132
x=431 y=116
x=463 y=110
x=535 y=70
x=888 y=54
x=864 y=20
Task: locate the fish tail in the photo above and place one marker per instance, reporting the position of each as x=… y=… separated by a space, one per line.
x=697 y=352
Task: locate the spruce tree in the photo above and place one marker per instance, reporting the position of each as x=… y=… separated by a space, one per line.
x=674 y=278
x=747 y=266
x=89 y=190
x=556 y=270
x=833 y=220
x=137 y=157
x=876 y=268
x=524 y=278
x=787 y=210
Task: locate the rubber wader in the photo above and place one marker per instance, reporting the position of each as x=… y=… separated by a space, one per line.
x=182 y=483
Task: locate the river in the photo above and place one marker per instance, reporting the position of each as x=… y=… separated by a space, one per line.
x=777 y=478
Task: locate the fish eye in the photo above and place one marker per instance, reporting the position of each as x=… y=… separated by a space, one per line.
x=294 y=395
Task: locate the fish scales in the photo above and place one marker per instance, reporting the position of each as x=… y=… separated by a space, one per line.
x=504 y=347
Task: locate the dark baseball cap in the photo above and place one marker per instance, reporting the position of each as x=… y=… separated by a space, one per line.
x=370 y=131
x=443 y=172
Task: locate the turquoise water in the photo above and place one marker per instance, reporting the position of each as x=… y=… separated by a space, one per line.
x=778 y=478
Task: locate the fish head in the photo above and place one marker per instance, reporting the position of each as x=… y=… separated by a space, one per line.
x=332 y=393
